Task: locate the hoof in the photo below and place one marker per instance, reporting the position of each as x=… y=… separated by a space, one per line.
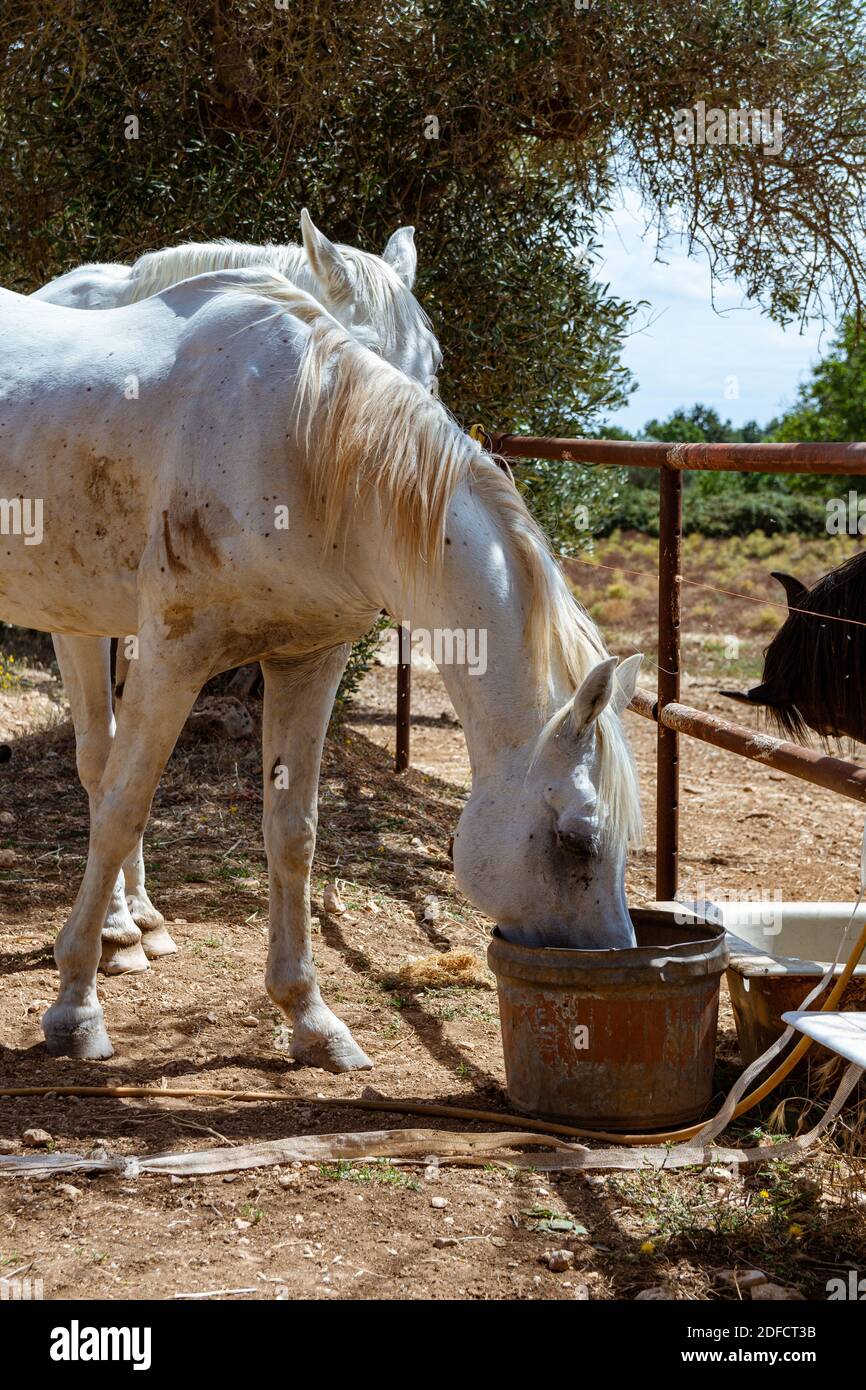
x=143 y=913
x=157 y=942
x=76 y=1033
x=122 y=960
x=338 y=1052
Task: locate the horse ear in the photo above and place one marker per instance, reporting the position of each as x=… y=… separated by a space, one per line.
x=401 y=255
x=326 y=262
x=625 y=683
x=758 y=695
x=794 y=590
x=593 y=696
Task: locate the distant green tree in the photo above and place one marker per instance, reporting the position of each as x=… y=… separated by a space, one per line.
x=702 y=424
x=830 y=406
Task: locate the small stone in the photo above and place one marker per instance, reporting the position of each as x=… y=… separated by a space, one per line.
x=373 y=907
x=37 y=1138
x=315 y=924
x=558 y=1261
x=242 y=1225
x=415 y=843
x=331 y=899
x=443 y=1242
x=432 y=911
x=8 y=858
x=289 y=1179
x=210 y=1017
x=67 y=1189
x=775 y=1293
x=658 y=1292
x=743 y=1278
x=179 y=921
x=439 y=1203
x=6 y=818
x=249 y=1021
x=8 y=1146
x=230 y=1177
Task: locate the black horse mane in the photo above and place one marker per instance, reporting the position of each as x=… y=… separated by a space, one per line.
x=823 y=662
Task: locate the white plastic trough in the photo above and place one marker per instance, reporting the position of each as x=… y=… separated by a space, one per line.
x=778 y=952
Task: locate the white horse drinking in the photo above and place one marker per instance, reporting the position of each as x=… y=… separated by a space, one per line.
x=372 y=297
x=163 y=517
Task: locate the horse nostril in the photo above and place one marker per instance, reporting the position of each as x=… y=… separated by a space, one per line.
x=576 y=842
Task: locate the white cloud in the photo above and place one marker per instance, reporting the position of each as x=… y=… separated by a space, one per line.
x=682 y=350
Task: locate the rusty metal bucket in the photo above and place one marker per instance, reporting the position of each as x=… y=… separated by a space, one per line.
x=615 y=1039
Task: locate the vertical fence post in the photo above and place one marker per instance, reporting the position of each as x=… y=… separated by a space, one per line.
x=667 y=747
x=404 y=697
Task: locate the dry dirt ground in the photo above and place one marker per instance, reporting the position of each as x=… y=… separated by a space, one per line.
x=203 y=1019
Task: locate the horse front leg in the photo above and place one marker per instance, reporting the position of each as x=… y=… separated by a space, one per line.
x=86 y=674
x=160 y=692
x=299 y=696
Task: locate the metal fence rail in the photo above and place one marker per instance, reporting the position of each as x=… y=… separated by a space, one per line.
x=673 y=718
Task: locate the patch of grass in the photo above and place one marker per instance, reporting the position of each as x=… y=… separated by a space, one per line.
x=454 y=1002
x=380 y=1171
x=235 y=869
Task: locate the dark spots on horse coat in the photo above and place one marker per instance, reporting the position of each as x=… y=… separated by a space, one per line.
x=174 y=563
x=179 y=620
x=192 y=530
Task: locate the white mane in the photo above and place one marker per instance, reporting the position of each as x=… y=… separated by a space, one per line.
x=378 y=432
x=378 y=288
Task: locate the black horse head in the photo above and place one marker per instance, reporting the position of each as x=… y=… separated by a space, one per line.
x=815 y=667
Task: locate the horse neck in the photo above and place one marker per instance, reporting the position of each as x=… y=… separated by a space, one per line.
x=482 y=590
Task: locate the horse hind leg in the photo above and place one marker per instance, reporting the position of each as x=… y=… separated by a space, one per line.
x=85 y=671
x=155 y=938
x=160 y=694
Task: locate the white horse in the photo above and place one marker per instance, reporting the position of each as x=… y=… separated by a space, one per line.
x=164 y=516
x=372 y=297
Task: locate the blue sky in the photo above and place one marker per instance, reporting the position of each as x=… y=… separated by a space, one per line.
x=682 y=350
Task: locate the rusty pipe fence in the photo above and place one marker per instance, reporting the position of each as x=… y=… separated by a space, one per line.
x=672 y=717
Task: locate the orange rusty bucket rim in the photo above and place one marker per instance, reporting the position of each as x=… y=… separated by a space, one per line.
x=674 y=956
